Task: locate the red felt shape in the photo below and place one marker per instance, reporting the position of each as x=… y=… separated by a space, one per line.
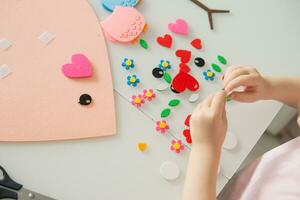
x=197 y=43
x=187 y=120
x=184 y=68
x=187 y=134
x=184 y=81
x=165 y=41
x=184 y=55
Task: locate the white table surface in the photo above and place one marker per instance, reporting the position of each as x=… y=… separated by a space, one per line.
x=264 y=34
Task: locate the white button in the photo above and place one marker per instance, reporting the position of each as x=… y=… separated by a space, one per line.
x=169 y=170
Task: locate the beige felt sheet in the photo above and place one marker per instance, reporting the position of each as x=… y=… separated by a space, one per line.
x=37 y=102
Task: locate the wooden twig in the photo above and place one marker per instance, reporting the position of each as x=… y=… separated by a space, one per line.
x=209 y=12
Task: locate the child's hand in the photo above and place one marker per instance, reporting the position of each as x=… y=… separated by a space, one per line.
x=209 y=122
x=255 y=86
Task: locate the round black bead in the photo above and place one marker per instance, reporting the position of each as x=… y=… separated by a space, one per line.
x=200 y=62
x=157 y=72
x=85 y=99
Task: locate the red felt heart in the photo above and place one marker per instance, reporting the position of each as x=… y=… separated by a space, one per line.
x=165 y=41
x=187 y=120
x=187 y=134
x=184 y=55
x=184 y=68
x=196 y=43
x=184 y=81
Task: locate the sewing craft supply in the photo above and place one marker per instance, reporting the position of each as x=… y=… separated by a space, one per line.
x=162 y=86
x=128 y=63
x=149 y=94
x=187 y=134
x=199 y=62
x=197 y=43
x=228 y=98
x=216 y=67
x=169 y=170
x=184 y=68
x=184 y=55
x=46 y=37
x=80 y=67
x=209 y=75
x=12 y=190
x=142 y=146
x=137 y=100
x=167 y=77
x=230 y=141
x=4 y=71
x=222 y=60
x=85 y=99
x=165 y=65
x=183 y=81
x=143 y=43
x=162 y=126
x=133 y=80
x=177 y=146
x=157 y=72
x=124 y=25
x=165 y=113
x=209 y=11
x=110 y=5
x=5 y=43
x=193 y=98
x=179 y=27
x=165 y=41
x=174 y=102
x=187 y=120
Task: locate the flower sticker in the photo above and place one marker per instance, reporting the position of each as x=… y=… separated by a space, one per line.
x=209 y=75
x=133 y=80
x=128 y=63
x=137 y=101
x=177 y=146
x=162 y=126
x=149 y=94
x=165 y=65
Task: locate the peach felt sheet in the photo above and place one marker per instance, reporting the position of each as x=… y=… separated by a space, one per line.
x=37 y=102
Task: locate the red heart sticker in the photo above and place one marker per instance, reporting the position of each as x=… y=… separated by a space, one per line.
x=165 y=41
x=187 y=134
x=197 y=43
x=184 y=81
x=184 y=68
x=187 y=120
x=184 y=55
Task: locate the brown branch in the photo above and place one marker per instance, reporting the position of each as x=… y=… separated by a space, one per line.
x=209 y=12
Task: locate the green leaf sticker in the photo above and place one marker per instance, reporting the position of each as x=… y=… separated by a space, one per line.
x=167 y=77
x=144 y=44
x=228 y=98
x=174 y=102
x=222 y=60
x=216 y=67
x=165 y=113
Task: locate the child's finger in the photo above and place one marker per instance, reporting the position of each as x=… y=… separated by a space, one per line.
x=218 y=102
x=234 y=74
x=243 y=80
x=242 y=96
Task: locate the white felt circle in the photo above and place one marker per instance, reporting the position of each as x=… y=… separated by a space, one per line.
x=230 y=141
x=169 y=170
x=193 y=98
x=162 y=86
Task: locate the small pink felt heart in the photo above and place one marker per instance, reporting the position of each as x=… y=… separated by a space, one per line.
x=180 y=27
x=79 y=68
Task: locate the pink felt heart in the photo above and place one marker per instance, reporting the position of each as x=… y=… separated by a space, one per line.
x=79 y=68
x=180 y=27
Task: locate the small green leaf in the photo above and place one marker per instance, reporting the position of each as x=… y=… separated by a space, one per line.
x=222 y=60
x=216 y=67
x=167 y=77
x=144 y=44
x=174 y=102
x=165 y=113
x=228 y=98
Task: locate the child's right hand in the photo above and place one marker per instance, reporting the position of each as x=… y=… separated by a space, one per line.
x=255 y=86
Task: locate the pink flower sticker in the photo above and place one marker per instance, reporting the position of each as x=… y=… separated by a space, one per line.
x=177 y=146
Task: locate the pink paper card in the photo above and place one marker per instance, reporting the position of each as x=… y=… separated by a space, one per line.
x=37 y=102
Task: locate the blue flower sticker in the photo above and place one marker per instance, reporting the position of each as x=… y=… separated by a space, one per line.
x=165 y=65
x=133 y=80
x=128 y=63
x=209 y=75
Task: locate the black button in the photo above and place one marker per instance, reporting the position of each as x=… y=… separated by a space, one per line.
x=85 y=99
x=200 y=62
x=157 y=72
